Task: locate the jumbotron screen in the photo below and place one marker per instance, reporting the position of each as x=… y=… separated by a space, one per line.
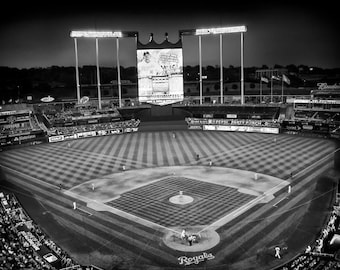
x=160 y=75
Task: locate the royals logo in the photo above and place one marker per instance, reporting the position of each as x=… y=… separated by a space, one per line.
x=184 y=260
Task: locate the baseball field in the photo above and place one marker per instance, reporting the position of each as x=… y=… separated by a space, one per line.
x=241 y=194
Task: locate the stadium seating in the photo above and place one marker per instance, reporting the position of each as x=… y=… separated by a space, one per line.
x=24 y=245
x=319 y=255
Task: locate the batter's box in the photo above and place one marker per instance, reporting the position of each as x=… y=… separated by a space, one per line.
x=181 y=201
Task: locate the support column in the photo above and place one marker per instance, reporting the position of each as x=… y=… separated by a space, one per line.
x=200 y=63
x=221 y=68
x=98 y=78
x=118 y=75
x=242 y=71
x=77 y=70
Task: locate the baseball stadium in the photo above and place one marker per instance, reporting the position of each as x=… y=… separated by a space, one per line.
x=167 y=181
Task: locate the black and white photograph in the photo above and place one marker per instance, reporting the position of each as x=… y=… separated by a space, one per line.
x=172 y=135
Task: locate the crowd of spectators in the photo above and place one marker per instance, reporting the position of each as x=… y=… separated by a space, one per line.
x=321 y=255
x=57 y=114
x=19 y=247
x=15 y=128
x=17 y=124
x=317 y=116
x=67 y=114
x=133 y=123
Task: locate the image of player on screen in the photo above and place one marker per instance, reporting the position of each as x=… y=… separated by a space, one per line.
x=148 y=66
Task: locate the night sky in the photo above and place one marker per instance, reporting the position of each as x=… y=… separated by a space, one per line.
x=278 y=33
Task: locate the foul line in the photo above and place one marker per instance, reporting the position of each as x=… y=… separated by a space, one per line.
x=43 y=183
x=82 y=210
x=317 y=162
x=275 y=205
x=250 y=204
x=121 y=213
x=224 y=220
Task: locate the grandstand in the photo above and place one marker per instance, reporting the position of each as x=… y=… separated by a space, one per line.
x=25 y=245
x=317 y=114
x=122 y=185
x=19 y=126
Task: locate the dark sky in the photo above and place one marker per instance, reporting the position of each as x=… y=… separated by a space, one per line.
x=279 y=32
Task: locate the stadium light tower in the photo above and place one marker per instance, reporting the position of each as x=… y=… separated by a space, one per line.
x=219 y=31
x=97 y=35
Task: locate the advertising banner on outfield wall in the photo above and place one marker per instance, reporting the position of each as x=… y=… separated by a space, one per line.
x=130 y=129
x=231 y=116
x=86 y=134
x=195 y=127
x=242 y=129
x=116 y=131
x=70 y=136
x=58 y=138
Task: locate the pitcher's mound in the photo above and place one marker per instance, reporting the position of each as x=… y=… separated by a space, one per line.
x=181 y=199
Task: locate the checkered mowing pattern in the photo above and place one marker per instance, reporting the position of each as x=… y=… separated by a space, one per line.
x=151 y=202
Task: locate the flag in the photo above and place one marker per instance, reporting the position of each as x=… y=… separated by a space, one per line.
x=276 y=78
x=285 y=79
x=264 y=79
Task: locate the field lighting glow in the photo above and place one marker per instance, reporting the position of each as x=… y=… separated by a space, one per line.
x=221 y=30
x=96 y=34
